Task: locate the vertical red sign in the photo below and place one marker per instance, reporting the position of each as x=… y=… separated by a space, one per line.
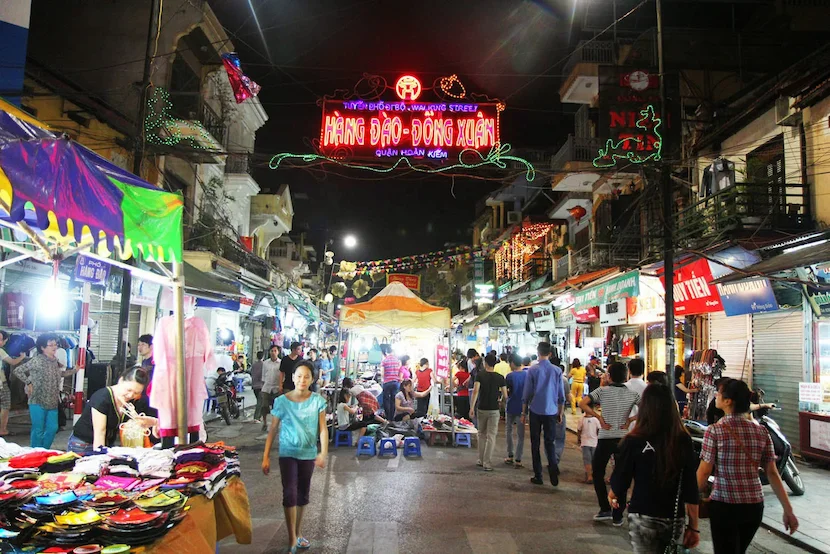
x=442 y=362
x=692 y=292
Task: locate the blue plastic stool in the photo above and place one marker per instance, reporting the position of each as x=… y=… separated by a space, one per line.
x=412 y=446
x=342 y=438
x=463 y=439
x=366 y=445
x=387 y=447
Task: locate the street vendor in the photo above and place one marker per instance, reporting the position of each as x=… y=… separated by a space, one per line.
x=108 y=408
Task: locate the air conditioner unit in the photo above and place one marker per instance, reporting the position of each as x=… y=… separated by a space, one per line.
x=514 y=217
x=785 y=114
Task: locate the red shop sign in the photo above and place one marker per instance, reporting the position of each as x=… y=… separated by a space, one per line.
x=692 y=292
x=586 y=315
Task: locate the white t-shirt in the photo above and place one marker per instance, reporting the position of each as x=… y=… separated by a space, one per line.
x=638 y=385
x=343 y=416
x=589 y=431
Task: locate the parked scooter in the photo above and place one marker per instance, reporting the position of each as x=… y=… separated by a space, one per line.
x=227 y=400
x=785 y=463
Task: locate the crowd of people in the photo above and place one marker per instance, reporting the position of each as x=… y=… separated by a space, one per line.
x=636 y=422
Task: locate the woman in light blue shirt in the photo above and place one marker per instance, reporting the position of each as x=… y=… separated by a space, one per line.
x=301 y=417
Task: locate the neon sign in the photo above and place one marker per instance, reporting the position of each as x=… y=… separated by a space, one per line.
x=635 y=148
x=437 y=130
x=408 y=88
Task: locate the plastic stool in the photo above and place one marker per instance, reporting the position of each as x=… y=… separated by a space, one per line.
x=366 y=445
x=388 y=446
x=463 y=439
x=342 y=438
x=412 y=446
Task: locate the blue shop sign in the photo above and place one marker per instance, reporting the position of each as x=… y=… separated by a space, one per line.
x=89 y=270
x=747 y=296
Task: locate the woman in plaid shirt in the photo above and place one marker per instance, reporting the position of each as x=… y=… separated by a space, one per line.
x=734 y=449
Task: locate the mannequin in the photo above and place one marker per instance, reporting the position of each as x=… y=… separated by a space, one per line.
x=199 y=359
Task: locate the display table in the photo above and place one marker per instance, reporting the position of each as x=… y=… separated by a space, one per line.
x=814 y=432
x=210 y=521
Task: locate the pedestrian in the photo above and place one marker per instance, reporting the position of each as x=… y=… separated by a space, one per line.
x=462 y=396
x=578 y=384
x=43 y=376
x=515 y=382
x=301 y=416
x=658 y=377
x=326 y=368
x=543 y=401
x=256 y=385
x=475 y=365
x=636 y=383
x=317 y=364
x=391 y=380
x=681 y=390
x=586 y=438
x=287 y=365
x=594 y=375
x=616 y=401
x=368 y=404
x=733 y=450
x=503 y=366
x=659 y=457
x=425 y=379
x=145 y=349
x=270 y=383
x=5 y=389
x=488 y=387
x=406 y=371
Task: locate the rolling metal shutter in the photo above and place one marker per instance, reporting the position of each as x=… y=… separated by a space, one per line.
x=104 y=343
x=778 y=358
x=731 y=337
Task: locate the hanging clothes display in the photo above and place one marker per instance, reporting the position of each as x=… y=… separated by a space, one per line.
x=198 y=360
x=706 y=367
x=720 y=174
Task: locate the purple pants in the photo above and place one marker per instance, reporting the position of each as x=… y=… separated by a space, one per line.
x=296 y=481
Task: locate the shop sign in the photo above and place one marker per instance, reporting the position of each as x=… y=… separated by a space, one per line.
x=618 y=288
x=819 y=297
x=503 y=290
x=144 y=293
x=613 y=313
x=543 y=317
x=563 y=317
x=89 y=270
x=478 y=270
x=484 y=293
x=442 y=362
x=412 y=282
x=810 y=392
x=225 y=304
x=646 y=308
x=586 y=315
x=747 y=296
x=692 y=292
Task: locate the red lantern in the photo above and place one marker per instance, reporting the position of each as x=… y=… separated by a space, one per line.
x=577 y=212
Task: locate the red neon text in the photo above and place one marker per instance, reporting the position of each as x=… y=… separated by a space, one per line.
x=472 y=132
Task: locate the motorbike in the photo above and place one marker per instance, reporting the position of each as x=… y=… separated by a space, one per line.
x=785 y=462
x=227 y=400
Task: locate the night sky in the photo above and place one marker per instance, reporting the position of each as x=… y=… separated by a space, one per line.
x=502 y=48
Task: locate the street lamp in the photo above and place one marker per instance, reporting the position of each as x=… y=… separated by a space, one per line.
x=350 y=241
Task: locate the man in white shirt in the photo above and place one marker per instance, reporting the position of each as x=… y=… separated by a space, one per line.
x=270 y=383
x=636 y=383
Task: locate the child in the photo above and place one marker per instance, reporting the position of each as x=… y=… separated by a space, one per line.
x=303 y=418
x=587 y=433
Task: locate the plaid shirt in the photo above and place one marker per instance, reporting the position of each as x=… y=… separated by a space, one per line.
x=736 y=477
x=368 y=402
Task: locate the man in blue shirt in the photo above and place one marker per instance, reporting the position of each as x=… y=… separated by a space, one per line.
x=543 y=401
x=513 y=412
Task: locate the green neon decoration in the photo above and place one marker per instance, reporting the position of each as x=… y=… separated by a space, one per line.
x=497 y=156
x=630 y=156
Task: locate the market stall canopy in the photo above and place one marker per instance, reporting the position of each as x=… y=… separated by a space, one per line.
x=200 y=284
x=395 y=307
x=72 y=197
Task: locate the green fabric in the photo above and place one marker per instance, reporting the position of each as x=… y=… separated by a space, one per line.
x=152 y=221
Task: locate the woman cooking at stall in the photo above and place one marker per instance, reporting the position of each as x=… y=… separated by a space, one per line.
x=108 y=408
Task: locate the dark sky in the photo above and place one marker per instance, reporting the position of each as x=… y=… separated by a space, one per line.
x=314 y=47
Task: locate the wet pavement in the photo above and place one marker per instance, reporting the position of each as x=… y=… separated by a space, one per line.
x=440 y=503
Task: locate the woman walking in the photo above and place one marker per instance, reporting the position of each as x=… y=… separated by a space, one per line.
x=301 y=417
x=578 y=384
x=43 y=376
x=734 y=449
x=659 y=457
x=489 y=385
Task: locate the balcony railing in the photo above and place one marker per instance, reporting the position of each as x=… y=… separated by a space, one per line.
x=239 y=162
x=598 y=255
x=596 y=51
x=745 y=208
x=212 y=122
x=223 y=246
x=575 y=149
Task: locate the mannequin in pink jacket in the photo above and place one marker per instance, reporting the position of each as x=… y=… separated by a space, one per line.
x=198 y=358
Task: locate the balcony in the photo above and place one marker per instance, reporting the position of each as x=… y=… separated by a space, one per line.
x=745 y=210
x=239 y=162
x=622 y=252
x=576 y=149
x=581 y=83
x=223 y=246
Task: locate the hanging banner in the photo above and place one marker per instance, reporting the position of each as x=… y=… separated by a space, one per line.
x=543 y=317
x=412 y=282
x=620 y=287
x=747 y=296
x=692 y=292
x=586 y=315
x=563 y=317
x=442 y=362
x=91 y=271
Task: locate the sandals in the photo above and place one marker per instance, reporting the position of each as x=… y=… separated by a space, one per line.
x=509 y=461
x=518 y=465
x=303 y=543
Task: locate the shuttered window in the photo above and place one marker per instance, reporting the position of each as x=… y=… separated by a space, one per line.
x=731 y=337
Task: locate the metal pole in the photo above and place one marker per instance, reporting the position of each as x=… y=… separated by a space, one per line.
x=668 y=222
x=79 y=377
x=181 y=378
x=138 y=155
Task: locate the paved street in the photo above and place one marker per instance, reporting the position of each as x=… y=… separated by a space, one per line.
x=441 y=503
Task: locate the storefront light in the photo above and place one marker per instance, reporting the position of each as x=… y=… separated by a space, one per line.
x=52 y=300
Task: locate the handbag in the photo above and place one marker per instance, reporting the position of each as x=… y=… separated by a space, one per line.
x=677 y=522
